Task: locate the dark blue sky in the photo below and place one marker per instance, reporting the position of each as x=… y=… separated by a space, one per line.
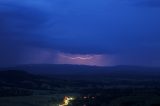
x=112 y=32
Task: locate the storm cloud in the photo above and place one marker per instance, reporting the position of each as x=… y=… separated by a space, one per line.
x=34 y=31
x=148 y=3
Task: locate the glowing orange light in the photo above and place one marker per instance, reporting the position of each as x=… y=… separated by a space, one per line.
x=66 y=101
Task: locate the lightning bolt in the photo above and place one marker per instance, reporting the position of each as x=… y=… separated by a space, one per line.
x=82 y=58
x=78 y=57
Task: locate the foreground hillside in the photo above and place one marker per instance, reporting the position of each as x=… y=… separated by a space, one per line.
x=21 y=83
x=99 y=86
x=28 y=101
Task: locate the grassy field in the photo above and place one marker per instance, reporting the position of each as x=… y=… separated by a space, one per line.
x=29 y=101
x=137 y=101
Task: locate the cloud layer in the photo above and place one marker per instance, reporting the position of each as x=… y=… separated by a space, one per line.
x=148 y=3
x=37 y=29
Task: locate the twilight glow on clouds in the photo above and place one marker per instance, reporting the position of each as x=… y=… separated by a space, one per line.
x=94 y=60
x=88 y=32
x=40 y=56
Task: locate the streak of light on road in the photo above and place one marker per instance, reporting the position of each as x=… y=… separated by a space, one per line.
x=66 y=101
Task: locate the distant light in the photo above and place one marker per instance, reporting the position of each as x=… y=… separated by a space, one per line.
x=85 y=97
x=71 y=98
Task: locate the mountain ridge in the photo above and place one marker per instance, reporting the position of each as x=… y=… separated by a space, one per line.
x=63 y=69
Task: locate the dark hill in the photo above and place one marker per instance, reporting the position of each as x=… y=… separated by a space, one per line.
x=81 y=70
x=18 y=75
x=25 y=80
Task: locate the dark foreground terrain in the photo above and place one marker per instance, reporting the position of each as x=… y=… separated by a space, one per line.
x=87 y=86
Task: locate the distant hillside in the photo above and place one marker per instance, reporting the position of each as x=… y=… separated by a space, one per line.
x=81 y=70
x=28 y=79
x=22 y=83
x=17 y=79
x=21 y=79
x=17 y=75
